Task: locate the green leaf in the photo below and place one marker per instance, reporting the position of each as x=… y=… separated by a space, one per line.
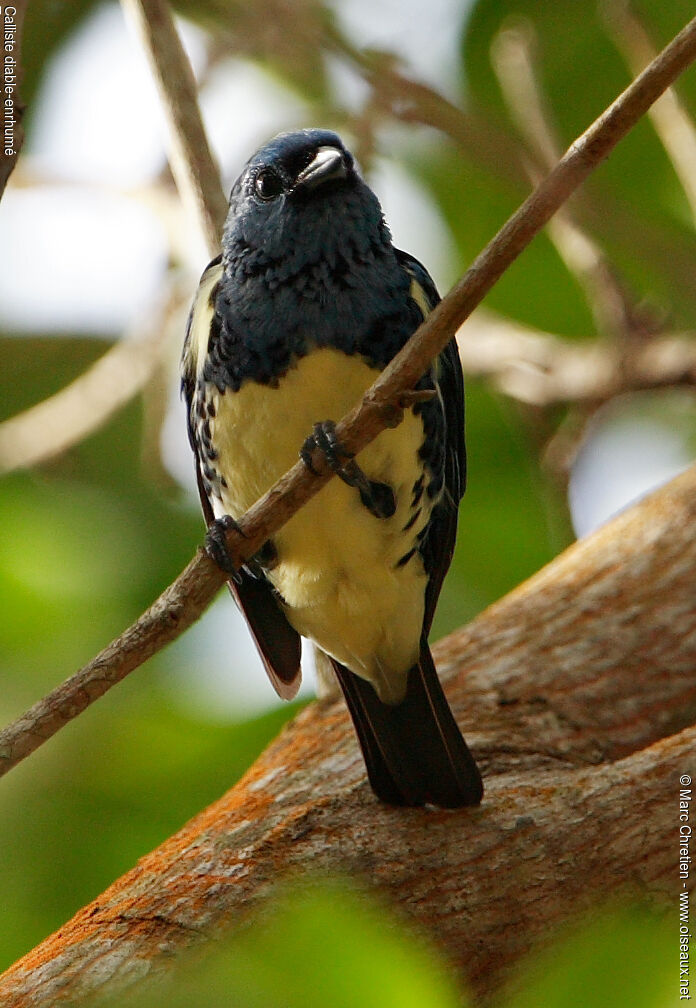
x=625 y=958
x=318 y=944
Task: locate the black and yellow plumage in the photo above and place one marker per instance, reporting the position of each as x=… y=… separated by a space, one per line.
x=308 y=302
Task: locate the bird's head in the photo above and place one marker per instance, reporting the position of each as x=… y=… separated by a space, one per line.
x=301 y=195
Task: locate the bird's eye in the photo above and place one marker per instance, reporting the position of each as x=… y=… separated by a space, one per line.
x=268 y=184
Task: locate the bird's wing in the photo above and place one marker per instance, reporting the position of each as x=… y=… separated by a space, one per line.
x=277 y=643
x=437 y=545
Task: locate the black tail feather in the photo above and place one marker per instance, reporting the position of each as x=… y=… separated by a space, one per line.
x=414 y=751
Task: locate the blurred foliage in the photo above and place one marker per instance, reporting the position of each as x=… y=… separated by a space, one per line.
x=316 y=944
x=48 y=23
x=89 y=540
x=325 y=945
x=620 y=957
x=633 y=204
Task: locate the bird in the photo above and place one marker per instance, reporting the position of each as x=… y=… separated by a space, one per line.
x=305 y=306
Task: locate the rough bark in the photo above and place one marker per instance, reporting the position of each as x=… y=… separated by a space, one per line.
x=577 y=693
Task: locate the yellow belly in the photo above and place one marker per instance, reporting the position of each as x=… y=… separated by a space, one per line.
x=337 y=564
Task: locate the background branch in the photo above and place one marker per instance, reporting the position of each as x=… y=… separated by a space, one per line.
x=87 y=403
x=184 y=601
x=80 y=408
x=513 y=60
x=542 y=370
x=669 y=117
x=195 y=173
x=582 y=778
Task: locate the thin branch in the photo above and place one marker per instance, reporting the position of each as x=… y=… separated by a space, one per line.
x=670 y=119
x=513 y=63
x=195 y=173
x=184 y=600
x=86 y=404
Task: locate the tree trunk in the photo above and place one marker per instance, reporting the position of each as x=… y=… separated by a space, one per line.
x=577 y=694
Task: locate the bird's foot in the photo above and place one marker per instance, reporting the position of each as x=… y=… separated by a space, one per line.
x=216 y=545
x=377 y=497
x=325 y=439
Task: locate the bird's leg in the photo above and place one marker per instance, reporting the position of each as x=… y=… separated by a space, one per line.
x=267 y=556
x=216 y=545
x=377 y=497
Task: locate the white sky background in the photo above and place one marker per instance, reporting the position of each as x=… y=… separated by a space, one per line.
x=98 y=140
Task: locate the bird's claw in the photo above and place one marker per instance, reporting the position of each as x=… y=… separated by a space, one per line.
x=216 y=545
x=324 y=438
x=377 y=497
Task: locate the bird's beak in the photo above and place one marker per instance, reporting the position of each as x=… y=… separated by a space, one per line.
x=328 y=163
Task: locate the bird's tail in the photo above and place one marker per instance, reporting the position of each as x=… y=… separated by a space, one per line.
x=414 y=751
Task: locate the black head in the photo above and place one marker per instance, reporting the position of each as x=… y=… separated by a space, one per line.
x=299 y=194
x=294 y=165
x=307 y=261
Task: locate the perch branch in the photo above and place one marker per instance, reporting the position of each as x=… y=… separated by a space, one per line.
x=184 y=600
x=576 y=693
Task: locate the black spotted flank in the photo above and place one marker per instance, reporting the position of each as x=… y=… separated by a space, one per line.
x=406 y=557
x=412 y=520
